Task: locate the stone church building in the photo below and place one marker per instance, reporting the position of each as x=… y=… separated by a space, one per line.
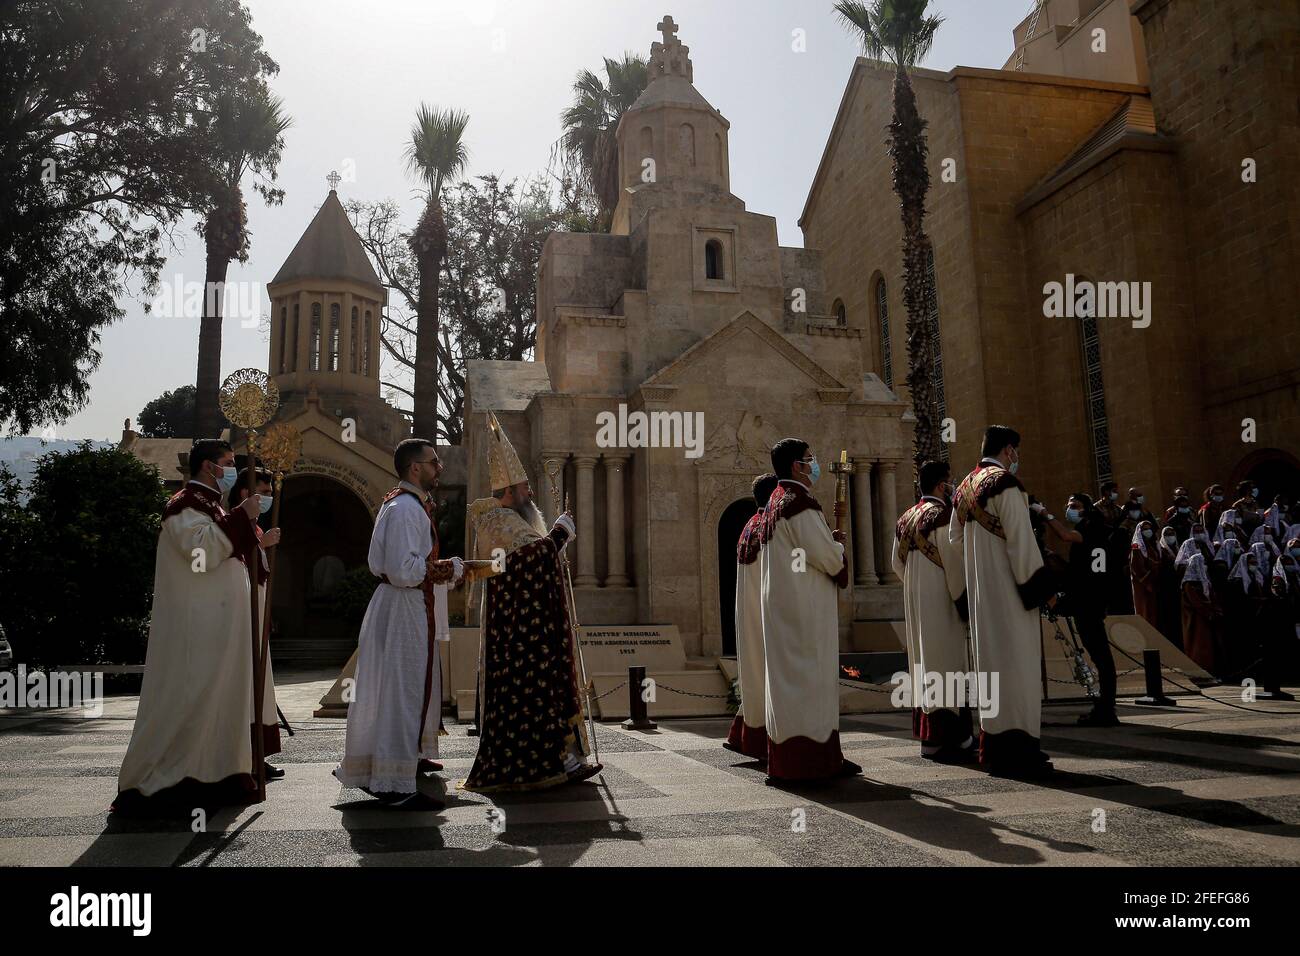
x=1125 y=141
x=689 y=305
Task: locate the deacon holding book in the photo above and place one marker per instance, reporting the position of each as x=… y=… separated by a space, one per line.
x=396 y=713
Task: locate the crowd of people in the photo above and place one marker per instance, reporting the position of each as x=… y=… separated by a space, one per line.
x=1220 y=580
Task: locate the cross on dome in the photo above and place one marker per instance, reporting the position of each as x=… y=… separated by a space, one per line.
x=670 y=57
x=333 y=179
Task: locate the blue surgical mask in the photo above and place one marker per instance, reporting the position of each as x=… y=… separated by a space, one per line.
x=1141 y=499
x=1114 y=496
x=814 y=471
x=228 y=478
x=1218 y=499
x=1015 y=465
x=1148 y=533
x=1184 y=511
x=265 y=505
x=1254 y=492
x=1072 y=515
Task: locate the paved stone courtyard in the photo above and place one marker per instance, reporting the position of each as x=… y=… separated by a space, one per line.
x=1202 y=784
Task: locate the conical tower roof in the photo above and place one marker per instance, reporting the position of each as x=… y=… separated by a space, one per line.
x=329 y=249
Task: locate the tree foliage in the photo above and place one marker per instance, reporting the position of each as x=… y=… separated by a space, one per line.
x=101 y=132
x=487 y=288
x=79 y=579
x=170 y=415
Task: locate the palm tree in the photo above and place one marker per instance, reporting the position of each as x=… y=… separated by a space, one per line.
x=244 y=133
x=902 y=31
x=590 y=122
x=436 y=155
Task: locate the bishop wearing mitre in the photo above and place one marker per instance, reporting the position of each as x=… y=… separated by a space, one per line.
x=934 y=600
x=803 y=565
x=1006 y=582
x=395 y=715
x=748 y=734
x=531 y=735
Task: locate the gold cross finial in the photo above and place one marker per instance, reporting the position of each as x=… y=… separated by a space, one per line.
x=333 y=179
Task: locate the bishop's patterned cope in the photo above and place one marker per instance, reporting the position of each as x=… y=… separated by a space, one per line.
x=915 y=527
x=973 y=494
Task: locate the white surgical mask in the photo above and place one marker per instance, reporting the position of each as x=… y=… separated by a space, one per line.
x=1148 y=533
x=1114 y=496
x=1141 y=499
x=228 y=478
x=265 y=505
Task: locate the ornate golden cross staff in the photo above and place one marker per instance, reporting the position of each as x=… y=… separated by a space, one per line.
x=281 y=449
x=554 y=467
x=249 y=399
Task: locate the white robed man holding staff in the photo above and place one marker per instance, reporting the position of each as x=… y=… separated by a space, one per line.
x=803 y=565
x=396 y=714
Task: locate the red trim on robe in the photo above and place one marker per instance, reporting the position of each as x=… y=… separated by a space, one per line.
x=942 y=727
x=234 y=525
x=800 y=758
x=747 y=740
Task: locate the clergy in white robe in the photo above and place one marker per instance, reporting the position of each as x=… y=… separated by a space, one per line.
x=191 y=745
x=748 y=734
x=396 y=712
x=1006 y=582
x=802 y=566
x=934 y=602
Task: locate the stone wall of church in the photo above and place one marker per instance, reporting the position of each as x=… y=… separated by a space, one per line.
x=1223 y=78
x=1120 y=221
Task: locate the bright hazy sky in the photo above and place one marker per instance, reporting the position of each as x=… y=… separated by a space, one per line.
x=352 y=75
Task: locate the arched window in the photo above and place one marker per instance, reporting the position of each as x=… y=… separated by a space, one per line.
x=314 y=362
x=936 y=348
x=882 y=323
x=352 y=338
x=284 y=320
x=1094 y=390
x=686 y=143
x=365 y=348
x=334 y=338
x=841 y=316
x=293 y=358
x=713 y=260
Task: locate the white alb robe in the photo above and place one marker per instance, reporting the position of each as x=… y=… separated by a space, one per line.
x=195 y=715
x=385 y=737
x=799 y=563
x=748 y=734
x=936 y=634
x=1006 y=637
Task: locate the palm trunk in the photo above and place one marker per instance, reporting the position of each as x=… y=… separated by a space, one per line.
x=208 y=420
x=430 y=245
x=907 y=146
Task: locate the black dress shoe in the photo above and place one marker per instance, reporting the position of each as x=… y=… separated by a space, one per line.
x=849 y=769
x=586 y=772
x=272 y=773
x=428 y=766
x=1024 y=771
x=418 y=803
x=1099 y=718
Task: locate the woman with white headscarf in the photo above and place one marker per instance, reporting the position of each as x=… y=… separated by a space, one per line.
x=1198 y=543
x=1202 y=618
x=1168 y=588
x=1144 y=571
x=1228 y=523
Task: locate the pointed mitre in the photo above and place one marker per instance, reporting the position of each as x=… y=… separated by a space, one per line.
x=504 y=467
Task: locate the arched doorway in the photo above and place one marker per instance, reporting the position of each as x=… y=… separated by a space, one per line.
x=733 y=521
x=1273 y=470
x=326 y=536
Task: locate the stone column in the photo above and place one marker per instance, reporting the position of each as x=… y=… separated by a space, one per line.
x=547 y=497
x=615 y=466
x=862 y=533
x=586 y=517
x=888 y=516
